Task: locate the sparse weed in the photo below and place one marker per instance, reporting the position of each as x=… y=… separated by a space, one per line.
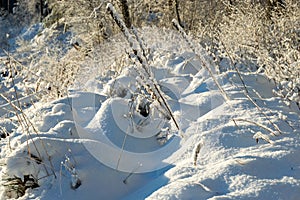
x=252 y=37
x=16 y=187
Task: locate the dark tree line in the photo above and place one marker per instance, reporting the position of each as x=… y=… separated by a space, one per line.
x=27 y=8
x=7 y=5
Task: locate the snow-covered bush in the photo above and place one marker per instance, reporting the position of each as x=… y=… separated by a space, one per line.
x=255 y=36
x=245 y=34
x=152 y=82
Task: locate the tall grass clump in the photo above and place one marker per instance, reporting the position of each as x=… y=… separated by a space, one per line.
x=260 y=37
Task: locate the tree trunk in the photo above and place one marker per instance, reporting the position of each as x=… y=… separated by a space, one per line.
x=42 y=7
x=125 y=12
x=177 y=12
x=4 y=4
x=7 y=5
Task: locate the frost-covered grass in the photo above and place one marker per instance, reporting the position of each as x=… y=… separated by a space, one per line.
x=79 y=121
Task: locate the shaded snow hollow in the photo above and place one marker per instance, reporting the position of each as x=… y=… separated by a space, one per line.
x=110 y=141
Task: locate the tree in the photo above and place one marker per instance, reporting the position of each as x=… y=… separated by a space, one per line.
x=7 y=5
x=125 y=12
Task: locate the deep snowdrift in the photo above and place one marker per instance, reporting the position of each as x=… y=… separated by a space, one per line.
x=109 y=139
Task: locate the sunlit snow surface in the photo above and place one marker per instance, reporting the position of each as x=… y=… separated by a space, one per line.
x=117 y=153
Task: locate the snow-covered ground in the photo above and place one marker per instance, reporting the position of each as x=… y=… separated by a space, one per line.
x=110 y=138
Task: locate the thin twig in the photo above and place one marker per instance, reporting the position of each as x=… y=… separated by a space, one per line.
x=257 y=124
x=141 y=59
x=184 y=35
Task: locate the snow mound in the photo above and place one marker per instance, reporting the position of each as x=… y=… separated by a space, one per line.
x=114 y=140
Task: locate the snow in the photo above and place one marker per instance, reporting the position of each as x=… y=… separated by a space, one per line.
x=99 y=143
